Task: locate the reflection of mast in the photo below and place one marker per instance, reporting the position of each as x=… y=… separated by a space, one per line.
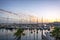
x=37 y=35
x=34 y=34
x=29 y=35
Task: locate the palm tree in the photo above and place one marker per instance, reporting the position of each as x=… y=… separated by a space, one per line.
x=56 y=33
x=19 y=33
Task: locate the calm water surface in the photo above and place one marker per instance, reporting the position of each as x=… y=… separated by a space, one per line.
x=20 y=34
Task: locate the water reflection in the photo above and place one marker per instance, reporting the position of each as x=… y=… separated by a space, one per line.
x=19 y=33
x=37 y=34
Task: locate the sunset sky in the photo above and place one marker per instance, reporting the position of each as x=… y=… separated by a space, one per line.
x=48 y=9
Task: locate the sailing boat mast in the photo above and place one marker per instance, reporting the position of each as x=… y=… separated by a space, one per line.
x=42 y=27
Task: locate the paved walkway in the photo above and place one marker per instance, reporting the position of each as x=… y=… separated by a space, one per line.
x=44 y=38
x=47 y=36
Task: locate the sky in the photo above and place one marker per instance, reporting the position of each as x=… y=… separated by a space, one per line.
x=48 y=9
